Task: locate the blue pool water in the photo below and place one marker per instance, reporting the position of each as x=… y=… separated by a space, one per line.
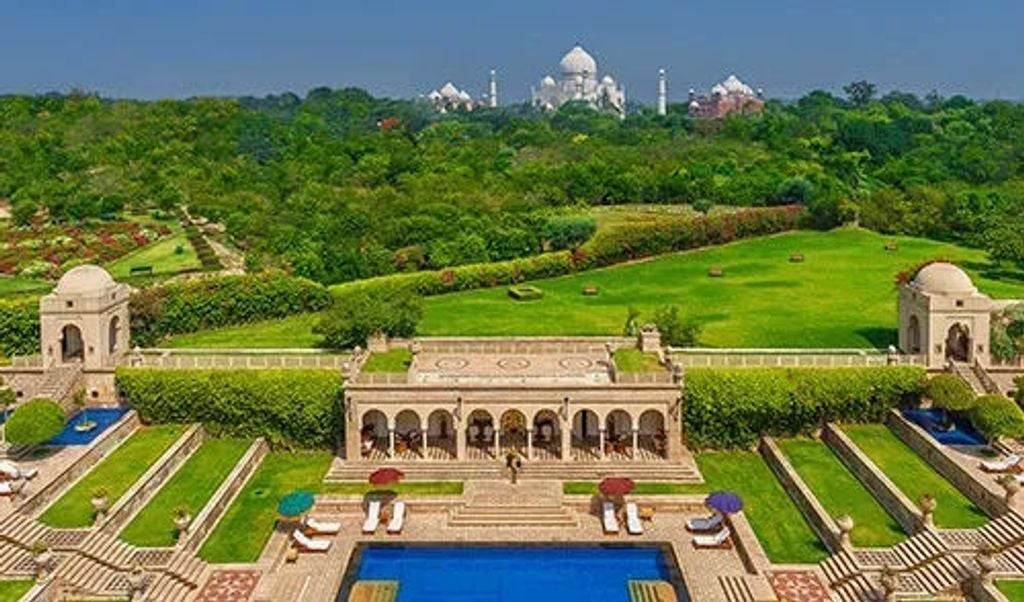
x=512 y=573
x=931 y=421
x=103 y=417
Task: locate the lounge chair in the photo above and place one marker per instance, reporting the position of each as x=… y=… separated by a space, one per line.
x=716 y=540
x=1006 y=464
x=316 y=527
x=611 y=523
x=309 y=544
x=6 y=489
x=703 y=525
x=372 y=517
x=633 y=526
x=398 y=519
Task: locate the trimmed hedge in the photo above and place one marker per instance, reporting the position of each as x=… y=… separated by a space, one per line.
x=617 y=244
x=34 y=422
x=997 y=416
x=19 y=327
x=194 y=305
x=735 y=407
x=295 y=408
x=950 y=392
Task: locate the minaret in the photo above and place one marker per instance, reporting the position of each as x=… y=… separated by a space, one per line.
x=662 y=93
x=494 y=89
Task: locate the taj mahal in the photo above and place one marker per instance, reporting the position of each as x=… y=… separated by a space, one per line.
x=579 y=82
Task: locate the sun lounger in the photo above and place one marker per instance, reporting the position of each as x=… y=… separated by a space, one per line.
x=372 y=517
x=717 y=540
x=611 y=524
x=398 y=520
x=309 y=544
x=320 y=527
x=633 y=526
x=711 y=523
x=5 y=488
x=1004 y=465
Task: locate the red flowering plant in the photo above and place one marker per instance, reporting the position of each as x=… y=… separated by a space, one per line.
x=908 y=274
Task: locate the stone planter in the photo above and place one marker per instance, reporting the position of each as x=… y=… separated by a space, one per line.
x=182 y=521
x=845 y=524
x=42 y=561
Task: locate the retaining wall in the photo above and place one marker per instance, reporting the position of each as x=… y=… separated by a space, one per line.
x=47 y=591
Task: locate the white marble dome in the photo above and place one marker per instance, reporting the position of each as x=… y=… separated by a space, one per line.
x=733 y=85
x=944 y=279
x=85 y=280
x=547 y=81
x=578 y=61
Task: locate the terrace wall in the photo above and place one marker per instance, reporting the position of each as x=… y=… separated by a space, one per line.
x=244 y=358
x=789 y=358
x=892 y=499
x=988 y=497
x=47 y=591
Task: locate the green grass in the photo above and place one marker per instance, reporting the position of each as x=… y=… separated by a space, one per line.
x=116 y=473
x=1012 y=589
x=190 y=487
x=291 y=332
x=634 y=360
x=841 y=493
x=414 y=488
x=243 y=531
x=396 y=360
x=784 y=534
x=12 y=590
x=160 y=255
x=642 y=488
x=911 y=474
x=18 y=285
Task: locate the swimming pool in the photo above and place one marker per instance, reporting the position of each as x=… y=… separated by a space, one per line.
x=103 y=417
x=932 y=421
x=512 y=573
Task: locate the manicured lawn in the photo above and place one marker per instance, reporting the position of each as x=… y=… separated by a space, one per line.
x=243 y=531
x=291 y=332
x=18 y=285
x=191 y=487
x=633 y=360
x=414 y=488
x=841 y=493
x=11 y=590
x=160 y=255
x=1013 y=590
x=643 y=488
x=911 y=474
x=116 y=473
x=782 y=530
x=395 y=360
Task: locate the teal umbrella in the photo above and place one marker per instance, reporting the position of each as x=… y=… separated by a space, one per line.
x=295 y=504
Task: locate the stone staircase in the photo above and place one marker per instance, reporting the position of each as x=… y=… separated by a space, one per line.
x=22 y=531
x=511 y=516
x=15 y=560
x=87 y=577
x=165 y=588
x=110 y=551
x=58 y=382
x=858 y=589
x=1011 y=560
x=965 y=372
x=943 y=574
x=840 y=568
x=426 y=470
x=1005 y=531
x=919 y=550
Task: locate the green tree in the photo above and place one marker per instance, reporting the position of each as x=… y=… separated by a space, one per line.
x=675 y=330
x=364 y=314
x=35 y=422
x=860 y=93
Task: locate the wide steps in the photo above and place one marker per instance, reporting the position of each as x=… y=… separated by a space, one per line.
x=12 y=557
x=580 y=471
x=736 y=589
x=186 y=568
x=858 y=589
x=23 y=531
x=511 y=516
x=839 y=568
x=166 y=588
x=88 y=576
x=1011 y=560
x=919 y=549
x=944 y=573
x=1004 y=531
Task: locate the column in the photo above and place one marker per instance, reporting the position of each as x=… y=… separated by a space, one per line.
x=600 y=442
x=460 y=441
x=565 y=438
x=497 y=442
x=424 y=428
x=636 y=444
x=391 y=442
x=529 y=444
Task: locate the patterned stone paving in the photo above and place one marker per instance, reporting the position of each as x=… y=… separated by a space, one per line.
x=798 y=586
x=229 y=586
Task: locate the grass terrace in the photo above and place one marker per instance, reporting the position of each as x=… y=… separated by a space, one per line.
x=162 y=256
x=394 y=361
x=19 y=285
x=12 y=590
x=1013 y=590
x=291 y=332
x=116 y=474
x=911 y=474
x=634 y=360
x=841 y=493
x=190 y=487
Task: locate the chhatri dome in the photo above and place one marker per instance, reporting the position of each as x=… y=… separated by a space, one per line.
x=580 y=82
x=578 y=62
x=85 y=280
x=944 y=279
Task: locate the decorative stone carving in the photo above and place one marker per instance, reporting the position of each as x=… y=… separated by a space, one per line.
x=650 y=338
x=890 y=581
x=1011 y=486
x=927 y=504
x=845 y=524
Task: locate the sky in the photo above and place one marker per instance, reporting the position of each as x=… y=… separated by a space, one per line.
x=180 y=48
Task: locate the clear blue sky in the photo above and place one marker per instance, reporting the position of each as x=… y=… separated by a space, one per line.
x=161 y=48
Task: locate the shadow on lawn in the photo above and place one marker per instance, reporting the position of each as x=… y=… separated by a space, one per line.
x=879 y=338
x=995 y=271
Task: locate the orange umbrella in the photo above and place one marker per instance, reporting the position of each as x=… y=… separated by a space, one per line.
x=386 y=476
x=616 y=486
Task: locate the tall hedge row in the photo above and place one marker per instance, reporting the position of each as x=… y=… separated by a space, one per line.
x=19 y=327
x=193 y=305
x=734 y=407
x=608 y=247
x=295 y=408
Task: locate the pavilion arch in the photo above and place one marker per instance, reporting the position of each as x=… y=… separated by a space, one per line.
x=441 y=424
x=407 y=422
x=585 y=424
x=653 y=438
x=914 y=334
x=547 y=433
x=513 y=430
x=375 y=424
x=618 y=423
x=114 y=334
x=479 y=428
x=72 y=347
x=958 y=343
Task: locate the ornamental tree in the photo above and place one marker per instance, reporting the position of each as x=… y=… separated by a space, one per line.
x=35 y=422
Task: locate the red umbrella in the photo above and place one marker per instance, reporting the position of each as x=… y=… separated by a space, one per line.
x=616 y=486
x=386 y=476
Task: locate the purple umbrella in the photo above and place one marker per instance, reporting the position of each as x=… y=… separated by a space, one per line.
x=725 y=502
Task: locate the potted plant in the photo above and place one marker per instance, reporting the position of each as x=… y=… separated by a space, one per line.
x=100 y=499
x=182 y=518
x=41 y=557
x=84 y=425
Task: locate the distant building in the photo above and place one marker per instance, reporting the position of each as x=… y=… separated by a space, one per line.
x=579 y=82
x=449 y=98
x=730 y=96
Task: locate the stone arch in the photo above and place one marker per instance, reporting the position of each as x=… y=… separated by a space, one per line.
x=480 y=430
x=914 y=334
x=653 y=436
x=513 y=431
x=618 y=423
x=114 y=334
x=72 y=346
x=373 y=432
x=547 y=434
x=958 y=343
x=408 y=433
x=585 y=424
x=440 y=436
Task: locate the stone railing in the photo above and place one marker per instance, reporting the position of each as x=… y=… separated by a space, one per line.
x=521 y=345
x=988 y=497
x=139 y=494
x=642 y=378
x=892 y=499
x=27 y=361
x=382 y=378
x=46 y=591
x=823 y=523
x=207 y=518
x=244 y=358
x=781 y=358
x=98 y=449
x=987 y=382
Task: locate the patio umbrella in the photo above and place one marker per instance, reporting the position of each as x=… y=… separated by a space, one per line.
x=295 y=504
x=725 y=502
x=386 y=476
x=616 y=486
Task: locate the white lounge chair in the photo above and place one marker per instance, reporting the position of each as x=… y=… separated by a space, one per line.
x=6 y=489
x=1007 y=463
x=710 y=523
x=321 y=527
x=398 y=520
x=633 y=525
x=372 y=517
x=309 y=544
x=716 y=540
x=611 y=524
